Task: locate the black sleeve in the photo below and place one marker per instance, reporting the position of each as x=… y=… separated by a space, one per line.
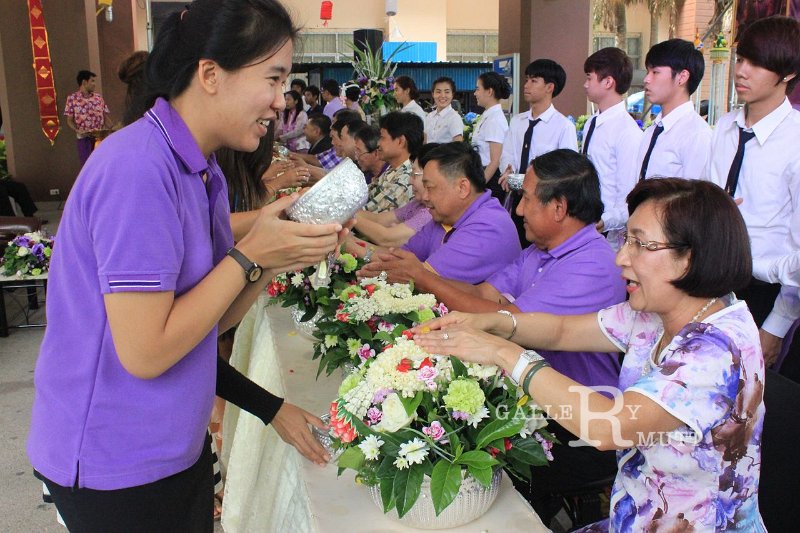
x=236 y=388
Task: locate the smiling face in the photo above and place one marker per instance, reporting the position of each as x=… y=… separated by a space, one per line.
x=442 y=95
x=250 y=98
x=649 y=273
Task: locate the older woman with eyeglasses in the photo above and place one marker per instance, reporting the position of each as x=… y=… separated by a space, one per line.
x=687 y=417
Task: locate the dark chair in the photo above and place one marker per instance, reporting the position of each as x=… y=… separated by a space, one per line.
x=779 y=487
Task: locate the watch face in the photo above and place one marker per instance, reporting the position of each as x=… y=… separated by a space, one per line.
x=254 y=274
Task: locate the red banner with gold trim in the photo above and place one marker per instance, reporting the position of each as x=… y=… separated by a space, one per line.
x=43 y=71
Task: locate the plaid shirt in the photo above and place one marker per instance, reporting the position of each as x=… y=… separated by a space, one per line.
x=328 y=159
x=391 y=190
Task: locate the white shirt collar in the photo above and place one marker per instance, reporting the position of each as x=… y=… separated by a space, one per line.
x=764 y=127
x=610 y=113
x=673 y=117
x=545 y=117
x=443 y=112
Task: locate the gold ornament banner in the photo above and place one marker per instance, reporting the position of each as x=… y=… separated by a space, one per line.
x=43 y=71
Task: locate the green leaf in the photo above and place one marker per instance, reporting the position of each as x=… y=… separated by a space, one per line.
x=406 y=488
x=477 y=459
x=411 y=404
x=459 y=370
x=498 y=429
x=445 y=482
x=352 y=457
x=482 y=475
x=528 y=451
x=387 y=493
x=363 y=331
x=387 y=468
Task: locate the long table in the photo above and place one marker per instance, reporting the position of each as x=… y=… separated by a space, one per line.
x=270 y=487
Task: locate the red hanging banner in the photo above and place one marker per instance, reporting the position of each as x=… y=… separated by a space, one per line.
x=43 y=72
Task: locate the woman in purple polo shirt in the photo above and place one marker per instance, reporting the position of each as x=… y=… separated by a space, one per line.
x=145 y=276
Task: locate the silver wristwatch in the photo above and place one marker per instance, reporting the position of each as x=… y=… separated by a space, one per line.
x=527 y=357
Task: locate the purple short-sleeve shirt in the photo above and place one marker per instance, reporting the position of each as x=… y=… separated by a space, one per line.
x=414 y=215
x=139 y=218
x=483 y=240
x=578 y=276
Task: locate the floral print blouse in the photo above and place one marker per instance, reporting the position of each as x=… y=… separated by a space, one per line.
x=704 y=475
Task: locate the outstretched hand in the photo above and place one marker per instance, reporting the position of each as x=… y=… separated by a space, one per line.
x=291 y=424
x=468 y=344
x=401 y=266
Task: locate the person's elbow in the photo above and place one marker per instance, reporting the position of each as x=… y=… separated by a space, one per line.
x=138 y=364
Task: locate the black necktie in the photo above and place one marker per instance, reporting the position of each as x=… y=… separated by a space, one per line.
x=585 y=149
x=736 y=166
x=524 y=159
x=646 y=161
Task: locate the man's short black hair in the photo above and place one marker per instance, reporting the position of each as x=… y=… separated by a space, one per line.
x=612 y=62
x=346 y=114
x=85 y=75
x=367 y=134
x=773 y=43
x=678 y=55
x=457 y=160
x=323 y=122
x=313 y=89
x=299 y=82
x=353 y=93
x=409 y=126
x=567 y=174
x=550 y=72
x=339 y=125
x=332 y=86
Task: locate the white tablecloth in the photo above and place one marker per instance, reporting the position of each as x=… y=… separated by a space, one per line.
x=270 y=487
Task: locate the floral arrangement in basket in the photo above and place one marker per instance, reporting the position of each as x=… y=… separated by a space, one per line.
x=375 y=78
x=362 y=319
x=27 y=255
x=408 y=414
x=294 y=288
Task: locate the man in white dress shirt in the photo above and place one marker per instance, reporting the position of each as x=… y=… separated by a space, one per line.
x=756 y=161
x=537 y=131
x=609 y=135
x=678 y=143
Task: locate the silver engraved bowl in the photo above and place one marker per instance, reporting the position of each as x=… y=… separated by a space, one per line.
x=515 y=181
x=472 y=501
x=307 y=328
x=335 y=198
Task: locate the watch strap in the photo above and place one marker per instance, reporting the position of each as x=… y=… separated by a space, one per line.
x=243 y=261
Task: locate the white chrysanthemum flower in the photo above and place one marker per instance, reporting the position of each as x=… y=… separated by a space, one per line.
x=415 y=451
x=475 y=419
x=371 y=447
x=536 y=422
x=297 y=279
x=481 y=371
x=331 y=341
x=401 y=463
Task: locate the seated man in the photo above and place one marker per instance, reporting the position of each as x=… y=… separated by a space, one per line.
x=568 y=269
x=343 y=143
x=470 y=237
x=400 y=142
x=366 y=153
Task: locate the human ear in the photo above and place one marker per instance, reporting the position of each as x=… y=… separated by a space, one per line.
x=208 y=72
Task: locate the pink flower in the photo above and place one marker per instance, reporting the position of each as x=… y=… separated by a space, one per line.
x=385 y=326
x=435 y=431
x=428 y=374
x=441 y=309
x=547 y=446
x=374 y=414
x=365 y=352
x=381 y=395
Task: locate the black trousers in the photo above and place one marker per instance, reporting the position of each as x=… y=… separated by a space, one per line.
x=183 y=502
x=19 y=192
x=760 y=297
x=570 y=470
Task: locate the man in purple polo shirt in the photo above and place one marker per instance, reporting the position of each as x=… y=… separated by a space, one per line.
x=330 y=94
x=470 y=237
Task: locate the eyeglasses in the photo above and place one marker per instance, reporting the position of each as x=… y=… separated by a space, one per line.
x=650 y=246
x=361 y=154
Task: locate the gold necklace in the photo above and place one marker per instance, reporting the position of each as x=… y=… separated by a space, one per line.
x=657 y=352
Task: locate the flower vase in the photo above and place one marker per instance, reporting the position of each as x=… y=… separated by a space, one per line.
x=472 y=501
x=307 y=328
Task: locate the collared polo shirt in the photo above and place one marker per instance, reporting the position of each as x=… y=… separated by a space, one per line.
x=483 y=240
x=139 y=219
x=578 y=276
